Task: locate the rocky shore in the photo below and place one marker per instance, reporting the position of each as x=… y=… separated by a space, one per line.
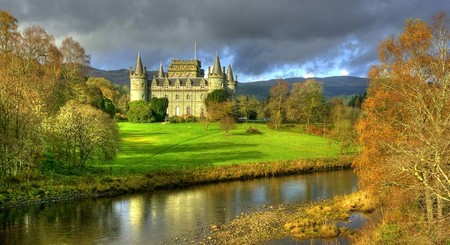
x=326 y=219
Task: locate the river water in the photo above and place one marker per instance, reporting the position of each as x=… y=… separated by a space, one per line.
x=153 y=218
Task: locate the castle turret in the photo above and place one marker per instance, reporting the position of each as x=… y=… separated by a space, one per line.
x=161 y=71
x=217 y=77
x=138 y=81
x=231 y=83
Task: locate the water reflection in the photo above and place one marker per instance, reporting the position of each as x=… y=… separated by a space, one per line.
x=157 y=217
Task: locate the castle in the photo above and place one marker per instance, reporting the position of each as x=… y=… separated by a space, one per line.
x=184 y=85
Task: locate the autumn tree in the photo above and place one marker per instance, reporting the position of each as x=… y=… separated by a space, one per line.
x=75 y=59
x=23 y=106
x=277 y=103
x=247 y=106
x=306 y=103
x=32 y=90
x=9 y=36
x=80 y=133
x=342 y=122
x=405 y=126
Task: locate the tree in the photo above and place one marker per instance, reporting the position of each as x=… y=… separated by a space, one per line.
x=159 y=108
x=9 y=35
x=80 y=133
x=139 y=112
x=248 y=106
x=75 y=59
x=306 y=103
x=218 y=95
x=222 y=112
x=277 y=103
x=405 y=126
x=32 y=92
x=343 y=119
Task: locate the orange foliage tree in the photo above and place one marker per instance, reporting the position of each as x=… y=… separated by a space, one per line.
x=405 y=125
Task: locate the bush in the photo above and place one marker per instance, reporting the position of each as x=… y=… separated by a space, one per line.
x=139 y=112
x=389 y=234
x=183 y=119
x=316 y=130
x=252 y=130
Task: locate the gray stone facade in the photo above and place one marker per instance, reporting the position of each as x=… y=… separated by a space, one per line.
x=184 y=85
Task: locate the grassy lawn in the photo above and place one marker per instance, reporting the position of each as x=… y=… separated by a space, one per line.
x=153 y=147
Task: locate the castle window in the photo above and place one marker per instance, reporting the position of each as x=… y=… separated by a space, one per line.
x=188 y=110
x=188 y=97
x=177 y=111
x=177 y=97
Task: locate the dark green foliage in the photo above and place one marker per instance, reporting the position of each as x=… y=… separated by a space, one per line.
x=146 y=112
x=159 y=108
x=139 y=112
x=356 y=100
x=109 y=107
x=183 y=119
x=218 y=95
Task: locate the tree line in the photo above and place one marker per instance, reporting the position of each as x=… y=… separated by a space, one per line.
x=51 y=115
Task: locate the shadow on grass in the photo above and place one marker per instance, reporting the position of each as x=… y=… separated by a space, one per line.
x=170 y=156
x=139 y=134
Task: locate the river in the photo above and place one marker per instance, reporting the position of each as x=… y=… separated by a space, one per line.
x=154 y=218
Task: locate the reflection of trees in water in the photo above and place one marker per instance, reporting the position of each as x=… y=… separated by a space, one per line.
x=165 y=214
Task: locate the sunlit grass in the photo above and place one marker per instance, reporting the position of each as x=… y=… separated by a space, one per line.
x=159 y=147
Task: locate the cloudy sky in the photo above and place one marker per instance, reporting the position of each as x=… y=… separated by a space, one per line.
x=261 y=39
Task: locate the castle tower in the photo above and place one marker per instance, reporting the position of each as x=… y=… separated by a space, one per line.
x=161 y=71
x=138 y=81
x=231 y=83
x=217 y=77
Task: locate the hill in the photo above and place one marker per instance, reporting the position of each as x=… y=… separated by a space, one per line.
x=333 y=86
x=119 y=77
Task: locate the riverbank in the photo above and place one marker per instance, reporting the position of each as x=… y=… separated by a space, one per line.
x=317 y=220
x=38 y=188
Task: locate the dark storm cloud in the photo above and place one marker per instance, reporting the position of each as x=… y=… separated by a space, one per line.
x=259 y=37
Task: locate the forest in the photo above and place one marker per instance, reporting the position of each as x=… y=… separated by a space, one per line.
x=51 y=115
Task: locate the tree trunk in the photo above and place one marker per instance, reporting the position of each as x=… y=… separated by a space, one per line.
x=440 y=207
x=429 y=205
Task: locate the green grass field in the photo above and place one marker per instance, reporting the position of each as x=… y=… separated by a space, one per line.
x=155 y=147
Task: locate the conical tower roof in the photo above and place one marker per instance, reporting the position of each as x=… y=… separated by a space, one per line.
x=161 y=71
x=217 y=69
x=230 y=74
x=139 y=70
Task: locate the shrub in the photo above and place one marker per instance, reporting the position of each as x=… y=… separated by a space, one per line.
x=252 y=130
x=389 y=234
x=316 y=130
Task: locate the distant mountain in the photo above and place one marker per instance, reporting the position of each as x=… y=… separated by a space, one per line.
x=332 y=86
x=120 y=77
